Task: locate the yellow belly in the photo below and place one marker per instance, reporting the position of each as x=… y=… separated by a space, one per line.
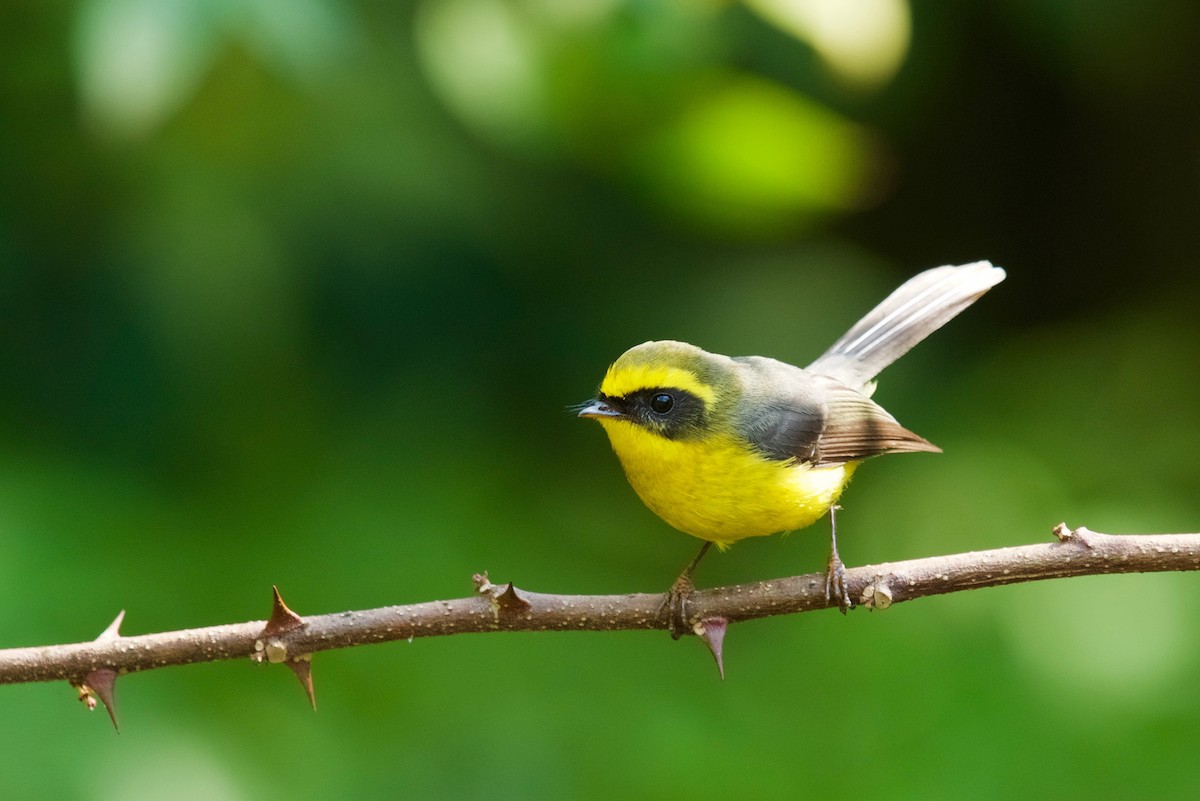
x=719 y=491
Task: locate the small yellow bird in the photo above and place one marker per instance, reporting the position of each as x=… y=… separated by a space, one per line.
x=727 y=448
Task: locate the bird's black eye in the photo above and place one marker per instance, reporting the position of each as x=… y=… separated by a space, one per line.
x=661 y=403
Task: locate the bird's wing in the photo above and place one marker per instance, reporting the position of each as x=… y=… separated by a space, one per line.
x=828 y=423
x=856 y=428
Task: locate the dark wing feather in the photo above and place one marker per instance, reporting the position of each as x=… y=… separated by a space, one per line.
x=823 y=422
x=857 y=428
x=789 y=431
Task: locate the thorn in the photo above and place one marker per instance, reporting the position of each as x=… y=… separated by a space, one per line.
x=712 y=631
x=273 y=649
x=103 y=683
x=509 y=601
x=114 y=629
x=100 y=683
x=282 y=618
x=269 y=646
x=302 y=667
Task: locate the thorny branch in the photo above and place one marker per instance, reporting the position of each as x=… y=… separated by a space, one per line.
x=291 y=639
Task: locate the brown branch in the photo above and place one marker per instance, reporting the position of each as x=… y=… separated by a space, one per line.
x=292 y=639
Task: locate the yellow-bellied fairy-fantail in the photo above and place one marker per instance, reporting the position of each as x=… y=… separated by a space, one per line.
x=727 y=448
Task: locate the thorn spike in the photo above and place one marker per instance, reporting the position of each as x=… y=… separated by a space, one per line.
x=282 y=619
x=100 y=683
x=114 y=629
x=302 y=667
x=712 y=631
x=509 y=601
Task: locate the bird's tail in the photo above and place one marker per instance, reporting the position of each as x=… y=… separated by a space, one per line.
x=918 y=307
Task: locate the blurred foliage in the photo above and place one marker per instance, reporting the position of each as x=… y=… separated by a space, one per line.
x=297 y=292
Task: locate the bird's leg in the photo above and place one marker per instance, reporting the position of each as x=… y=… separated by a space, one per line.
x=676 y=600
x=835 y=572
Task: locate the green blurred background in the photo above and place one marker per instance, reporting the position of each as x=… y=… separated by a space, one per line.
x=298 y=292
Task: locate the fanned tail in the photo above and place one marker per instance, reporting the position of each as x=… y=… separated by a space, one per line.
x=917 y=308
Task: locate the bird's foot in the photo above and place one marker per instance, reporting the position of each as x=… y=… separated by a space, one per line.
x=676 y=601
x=835 y=583
x=676 y=605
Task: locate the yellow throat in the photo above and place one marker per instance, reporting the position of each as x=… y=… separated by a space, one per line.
x=718 y=490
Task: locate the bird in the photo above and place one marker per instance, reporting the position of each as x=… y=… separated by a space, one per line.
x=726 y=448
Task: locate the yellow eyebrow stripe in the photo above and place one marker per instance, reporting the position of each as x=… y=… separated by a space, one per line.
x=625 y=380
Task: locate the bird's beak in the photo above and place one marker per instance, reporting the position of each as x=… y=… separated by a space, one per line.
x=598 y=410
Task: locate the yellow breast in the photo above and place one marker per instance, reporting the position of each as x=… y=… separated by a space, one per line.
x=718 y=490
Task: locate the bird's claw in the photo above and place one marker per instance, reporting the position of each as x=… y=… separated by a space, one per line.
x=675 y=603
x=835 y=583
